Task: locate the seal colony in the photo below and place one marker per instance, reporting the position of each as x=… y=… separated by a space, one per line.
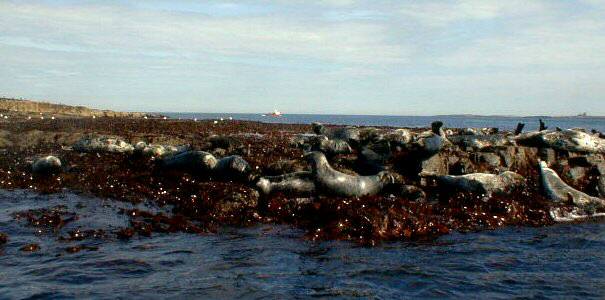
x=364 y=184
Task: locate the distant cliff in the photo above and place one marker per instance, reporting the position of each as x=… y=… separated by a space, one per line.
x=28 y=106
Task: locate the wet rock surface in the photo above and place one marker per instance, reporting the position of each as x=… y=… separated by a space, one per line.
x=201 y=200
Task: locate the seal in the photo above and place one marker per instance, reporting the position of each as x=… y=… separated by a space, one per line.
x=193 y=161
x=233 y=166
x=349 y=134
x=102 y=144
x=559 y=191
x=46 y=165
x=482 y=183
x=482 y=142
x=157 y=151
x=296 y=183
x=565 y=140
x=330 y=147
x=431 y=142
x=556 y=190
x=340 y=184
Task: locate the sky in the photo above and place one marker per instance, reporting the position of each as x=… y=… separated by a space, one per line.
x=513 y=57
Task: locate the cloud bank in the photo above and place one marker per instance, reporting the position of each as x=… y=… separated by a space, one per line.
x=333 y=56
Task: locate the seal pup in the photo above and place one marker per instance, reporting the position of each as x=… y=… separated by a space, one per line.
x=341 y=184
x=483 y=183
x=46 y=165
x=558 y=191
x=296 y=183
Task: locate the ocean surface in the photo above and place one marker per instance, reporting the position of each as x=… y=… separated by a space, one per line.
x=269 y=261
x=453 y=121
x=562 y=261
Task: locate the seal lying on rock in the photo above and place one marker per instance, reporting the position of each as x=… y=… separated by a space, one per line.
x=194 y=161
x=296 y=183
x=482 y=183
x=482 y=142
x=203 y=162
x=232 y=166
x=330 y=147
x=349 y=134
x=557 y=190
x=567 y=140
x=340 y=184
x=102 y=144
x=46 y=165
x=155 y=150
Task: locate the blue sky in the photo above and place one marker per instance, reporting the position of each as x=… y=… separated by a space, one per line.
x=427 y=57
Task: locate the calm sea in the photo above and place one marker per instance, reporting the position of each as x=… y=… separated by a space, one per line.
x=454 y=121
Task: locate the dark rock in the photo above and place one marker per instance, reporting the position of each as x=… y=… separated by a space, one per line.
x=30 y=248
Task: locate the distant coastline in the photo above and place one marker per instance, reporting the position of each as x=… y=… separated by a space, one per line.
x=45 y=106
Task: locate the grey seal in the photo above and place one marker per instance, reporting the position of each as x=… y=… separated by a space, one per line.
x=296 y=183
x=340 y=184
x=330 y=147
x=157 y=151
x=232 y=166
x=431 y=142
x=482 y=142
x=349 y=134
x=557 y=190
x=567 y=140
x=102 y=144
x=482 y=183
x=46 y=165
x=194 y=161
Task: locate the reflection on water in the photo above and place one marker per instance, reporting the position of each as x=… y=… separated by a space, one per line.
x=558 y=261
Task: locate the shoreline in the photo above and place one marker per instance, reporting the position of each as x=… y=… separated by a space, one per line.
x=202 y=203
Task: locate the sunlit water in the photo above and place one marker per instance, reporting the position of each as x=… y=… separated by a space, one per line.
x=277 y=262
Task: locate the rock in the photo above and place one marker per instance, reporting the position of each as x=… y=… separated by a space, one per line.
x=577 y=173
x=413 y=193
x=228 y=143
x=491 y=159
x=30 y=248
x=46 y=165
x=237 y=201
x=436 y=164
x=284 y=166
